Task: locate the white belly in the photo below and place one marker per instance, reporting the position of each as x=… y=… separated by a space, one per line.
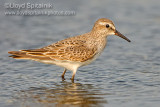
x=70 y=65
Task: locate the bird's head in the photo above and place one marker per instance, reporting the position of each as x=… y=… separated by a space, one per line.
x=105 y=27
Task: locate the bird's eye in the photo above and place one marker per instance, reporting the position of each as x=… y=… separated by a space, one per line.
x=107 y=25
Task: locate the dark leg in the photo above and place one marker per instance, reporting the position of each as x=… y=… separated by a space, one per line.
x=73 y=75
x=64 y=74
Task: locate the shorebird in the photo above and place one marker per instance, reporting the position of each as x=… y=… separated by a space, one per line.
x=74 y=52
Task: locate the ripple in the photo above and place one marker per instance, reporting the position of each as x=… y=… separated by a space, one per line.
x=65 y=93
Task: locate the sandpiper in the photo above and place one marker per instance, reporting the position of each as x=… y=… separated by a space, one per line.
x=73 y=52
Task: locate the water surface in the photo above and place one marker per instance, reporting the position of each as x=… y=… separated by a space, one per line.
x=126 y=74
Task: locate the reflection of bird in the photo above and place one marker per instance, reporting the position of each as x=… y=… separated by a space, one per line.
x=73 y=52
x=64 y=95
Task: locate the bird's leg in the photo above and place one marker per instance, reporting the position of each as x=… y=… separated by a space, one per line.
x=73 y=75
x=63 y=74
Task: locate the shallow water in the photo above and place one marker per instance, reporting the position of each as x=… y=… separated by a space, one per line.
x=126 y=74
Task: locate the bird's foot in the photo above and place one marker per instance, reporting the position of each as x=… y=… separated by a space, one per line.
x=72 y=79
x=63 y=78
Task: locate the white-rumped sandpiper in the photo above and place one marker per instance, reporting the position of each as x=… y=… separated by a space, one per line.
x=73 y=52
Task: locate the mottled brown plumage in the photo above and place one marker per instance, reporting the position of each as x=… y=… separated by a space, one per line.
x=73 y=52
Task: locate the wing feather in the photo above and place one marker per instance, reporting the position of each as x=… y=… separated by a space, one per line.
x=69 y=49
x=72 y=53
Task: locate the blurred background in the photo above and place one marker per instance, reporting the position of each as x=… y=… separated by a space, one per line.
x=126 y=74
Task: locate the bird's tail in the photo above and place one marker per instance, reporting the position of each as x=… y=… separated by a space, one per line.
x=33 y=54
x=18 y=55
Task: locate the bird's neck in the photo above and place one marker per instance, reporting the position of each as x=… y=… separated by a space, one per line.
x=98 y=36
x=98 y=40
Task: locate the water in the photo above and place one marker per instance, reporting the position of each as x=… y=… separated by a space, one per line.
x=126 y=74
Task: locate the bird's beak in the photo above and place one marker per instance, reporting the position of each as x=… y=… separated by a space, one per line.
x=121 y=35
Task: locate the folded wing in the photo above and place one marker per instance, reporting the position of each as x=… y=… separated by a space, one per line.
x=63 y=50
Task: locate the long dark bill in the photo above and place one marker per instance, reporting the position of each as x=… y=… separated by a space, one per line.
x=121 y=35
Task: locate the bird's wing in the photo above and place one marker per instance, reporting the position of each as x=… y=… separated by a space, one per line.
x=73 y=50
x=71 y=53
